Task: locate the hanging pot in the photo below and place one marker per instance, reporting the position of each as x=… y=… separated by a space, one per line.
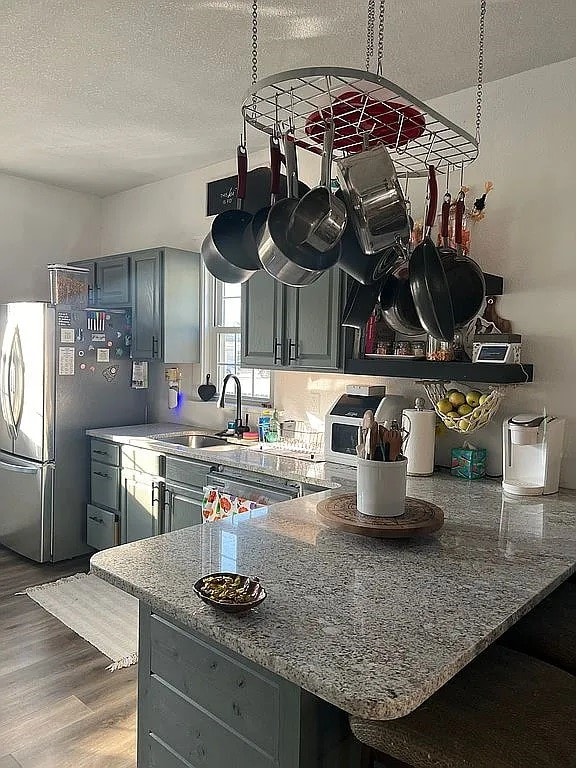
x=221 y=249
x=253 y=229
x=320 y=218
x=427 y=278
x=374 y=199
x=366 y=269
x=397 y=306
x=286 y=261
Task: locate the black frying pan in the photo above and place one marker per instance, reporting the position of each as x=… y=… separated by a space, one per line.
x=427 y=279
x=361 y=301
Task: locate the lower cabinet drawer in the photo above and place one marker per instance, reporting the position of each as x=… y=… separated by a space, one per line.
x=104 y=485
x=244 y=700
x=142 y=460
x=198 y=737
x=102 y=528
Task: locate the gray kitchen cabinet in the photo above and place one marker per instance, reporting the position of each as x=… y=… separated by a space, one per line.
x=140 y=505
x=262 y=303
x=292 y=328
x=112 y=281
x=165 y=287
x=182 y=506
x=313 y=323
x=202 y=704
x=108 y=281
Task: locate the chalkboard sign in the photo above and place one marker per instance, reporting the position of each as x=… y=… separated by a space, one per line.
x=221 y=195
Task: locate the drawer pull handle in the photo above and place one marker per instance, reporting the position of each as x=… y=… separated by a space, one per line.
x=96 y=519
x=101 y=474
x=100 y=453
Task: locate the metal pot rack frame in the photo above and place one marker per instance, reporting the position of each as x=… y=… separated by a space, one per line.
x=282 y=103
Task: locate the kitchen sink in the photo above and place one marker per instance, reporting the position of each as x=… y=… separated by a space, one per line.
x=195 y=441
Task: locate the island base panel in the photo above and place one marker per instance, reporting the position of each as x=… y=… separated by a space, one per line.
x=200 y=704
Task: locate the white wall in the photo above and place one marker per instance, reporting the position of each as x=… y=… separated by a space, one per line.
x=528 y=151
x=42 y=224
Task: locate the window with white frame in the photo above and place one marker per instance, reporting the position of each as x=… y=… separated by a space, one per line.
x=225 y=347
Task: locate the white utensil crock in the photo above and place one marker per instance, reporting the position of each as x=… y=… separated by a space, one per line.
x=381 y=487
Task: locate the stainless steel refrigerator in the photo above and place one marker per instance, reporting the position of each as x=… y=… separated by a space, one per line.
x=62 y=371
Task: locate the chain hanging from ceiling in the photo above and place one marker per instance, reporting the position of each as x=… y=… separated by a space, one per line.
x=364 y=107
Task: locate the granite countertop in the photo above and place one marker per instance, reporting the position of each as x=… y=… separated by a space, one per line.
x=235 y=453
x=372 y=626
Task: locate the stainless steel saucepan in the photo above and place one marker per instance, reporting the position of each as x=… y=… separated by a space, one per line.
x=289 y=262
x=320 y=218
x=374 y=199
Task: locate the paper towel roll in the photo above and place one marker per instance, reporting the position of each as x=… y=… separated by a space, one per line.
x=420 y=445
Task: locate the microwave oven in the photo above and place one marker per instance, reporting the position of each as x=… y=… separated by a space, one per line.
x=344 y=418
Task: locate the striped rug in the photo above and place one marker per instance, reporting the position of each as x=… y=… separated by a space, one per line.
x=102 y=614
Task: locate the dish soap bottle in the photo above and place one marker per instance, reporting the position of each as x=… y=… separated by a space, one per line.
x=273 y=434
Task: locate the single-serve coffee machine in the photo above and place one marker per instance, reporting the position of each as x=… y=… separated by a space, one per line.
x=532 y=451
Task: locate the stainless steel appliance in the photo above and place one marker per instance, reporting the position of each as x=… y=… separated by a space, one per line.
x=62 y=370
x=345 y=416
x=250 y=485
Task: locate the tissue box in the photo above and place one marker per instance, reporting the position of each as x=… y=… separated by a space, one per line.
x=468 y=463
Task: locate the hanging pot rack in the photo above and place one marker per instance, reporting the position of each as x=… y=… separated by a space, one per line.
x=301 y=101
x=364 y=108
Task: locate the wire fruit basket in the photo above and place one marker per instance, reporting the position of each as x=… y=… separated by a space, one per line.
x=479 y=417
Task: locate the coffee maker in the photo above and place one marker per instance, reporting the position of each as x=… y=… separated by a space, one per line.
x=532 y=451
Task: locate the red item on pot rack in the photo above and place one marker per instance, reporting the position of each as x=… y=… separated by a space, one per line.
x=355 y=113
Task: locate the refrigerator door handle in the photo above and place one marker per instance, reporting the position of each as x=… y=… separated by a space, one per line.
x=17 y=381
x=5 y=399
x=19 y=468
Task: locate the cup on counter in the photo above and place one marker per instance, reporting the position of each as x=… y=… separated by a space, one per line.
x=381 y=487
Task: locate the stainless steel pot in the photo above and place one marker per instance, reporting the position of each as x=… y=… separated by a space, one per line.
x=374 y=199
x=222 y=251
x=320 y=218
x=285 y=260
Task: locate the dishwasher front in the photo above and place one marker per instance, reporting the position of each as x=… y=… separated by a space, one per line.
x=252 y=486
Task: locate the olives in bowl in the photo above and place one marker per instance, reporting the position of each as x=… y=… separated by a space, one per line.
x=231 y=592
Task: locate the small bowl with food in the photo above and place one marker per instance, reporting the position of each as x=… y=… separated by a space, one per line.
x=231 y=592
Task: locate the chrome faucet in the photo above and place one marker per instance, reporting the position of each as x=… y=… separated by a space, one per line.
x=239 y=429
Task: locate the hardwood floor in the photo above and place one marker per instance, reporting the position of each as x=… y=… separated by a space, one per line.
x=59 y=706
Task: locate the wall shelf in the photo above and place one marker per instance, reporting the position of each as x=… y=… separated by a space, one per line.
x=486 y=373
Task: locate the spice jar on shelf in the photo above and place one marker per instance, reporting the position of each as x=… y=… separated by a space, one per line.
x=403 y=348
x=440 y=351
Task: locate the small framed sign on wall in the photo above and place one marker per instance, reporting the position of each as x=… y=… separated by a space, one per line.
x=221 y=195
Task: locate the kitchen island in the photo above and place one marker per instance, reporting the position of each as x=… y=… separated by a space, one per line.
x=369 y=627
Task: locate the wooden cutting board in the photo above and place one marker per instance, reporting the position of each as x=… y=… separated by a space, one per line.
x=420 y=518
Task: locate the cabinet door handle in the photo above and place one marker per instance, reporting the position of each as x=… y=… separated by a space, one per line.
x=153 y=489
x=101 y=474
x=100 y=453
x=154 y=346
x=292 y=345
x=168 y=502
x=277 y=345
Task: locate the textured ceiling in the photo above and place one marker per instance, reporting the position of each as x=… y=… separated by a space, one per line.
x=104 y=95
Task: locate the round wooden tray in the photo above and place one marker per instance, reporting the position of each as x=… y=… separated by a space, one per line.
x=420 y=517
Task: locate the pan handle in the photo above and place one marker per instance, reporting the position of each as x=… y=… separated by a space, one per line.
x=459 y=212
x=275 y=163
x=242 y=170
x=445 y=211
x=433 y=197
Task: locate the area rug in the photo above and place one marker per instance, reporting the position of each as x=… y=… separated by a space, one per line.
x=102 y=614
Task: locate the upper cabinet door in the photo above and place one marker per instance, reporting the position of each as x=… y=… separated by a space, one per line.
x=112 y=281
x=146 y=309
x=313 y=327
x=262 y=301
